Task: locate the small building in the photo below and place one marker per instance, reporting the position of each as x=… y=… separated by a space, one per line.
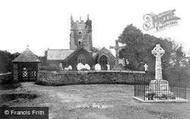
x=25 y=66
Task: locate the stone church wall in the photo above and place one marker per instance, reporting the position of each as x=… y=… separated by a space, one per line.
x=6 y=77
x=88 y=77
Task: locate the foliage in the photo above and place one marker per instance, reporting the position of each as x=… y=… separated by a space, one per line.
x=138 y=52
x=6 y=61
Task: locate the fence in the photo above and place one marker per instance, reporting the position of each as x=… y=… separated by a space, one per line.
x=143 y=90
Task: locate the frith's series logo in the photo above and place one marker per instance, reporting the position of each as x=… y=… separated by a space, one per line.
x=160 y=21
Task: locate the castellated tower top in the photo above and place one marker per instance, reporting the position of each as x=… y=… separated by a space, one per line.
x=81 y=34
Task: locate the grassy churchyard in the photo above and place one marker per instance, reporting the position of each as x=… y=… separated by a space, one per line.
x=97 y=101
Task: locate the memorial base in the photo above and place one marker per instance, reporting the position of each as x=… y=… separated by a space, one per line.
x=159 y=89
x=177 y=100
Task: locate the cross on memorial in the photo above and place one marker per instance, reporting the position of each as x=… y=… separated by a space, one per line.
x=158 y=52
x=117 y=48
x=159 y=87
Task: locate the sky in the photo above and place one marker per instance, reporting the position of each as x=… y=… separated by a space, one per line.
x=44 y=24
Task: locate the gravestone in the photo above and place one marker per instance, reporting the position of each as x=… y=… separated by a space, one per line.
x=126 y=61
x=97 y=67
x=87 y=66
x=80 y=66
x=108 y=67
x=70 y=67
x=66 y=69
x=60 y=66
x=145 y=67
x=158 y=86
x=121 y=61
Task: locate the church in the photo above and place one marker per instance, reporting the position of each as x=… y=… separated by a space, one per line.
x=81 y=49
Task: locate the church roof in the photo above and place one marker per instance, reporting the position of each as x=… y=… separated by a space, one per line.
x=106 y=52
x=27 y=56
x=75 y=52
x=58 y=54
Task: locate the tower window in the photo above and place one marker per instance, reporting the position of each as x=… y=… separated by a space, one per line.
x=79 y=43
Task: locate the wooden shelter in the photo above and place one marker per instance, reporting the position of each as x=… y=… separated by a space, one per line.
x=25 y=66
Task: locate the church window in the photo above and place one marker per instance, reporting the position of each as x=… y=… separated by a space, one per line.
x=81 y=59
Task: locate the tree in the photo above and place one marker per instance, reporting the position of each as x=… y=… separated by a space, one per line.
x=139 y=46
x=178 y=62
x=130 y=36
x=6 y=61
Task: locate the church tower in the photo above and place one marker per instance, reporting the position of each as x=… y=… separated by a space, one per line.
x=81 y=34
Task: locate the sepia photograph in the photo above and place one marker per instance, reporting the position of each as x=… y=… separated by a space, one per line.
x=94 y=59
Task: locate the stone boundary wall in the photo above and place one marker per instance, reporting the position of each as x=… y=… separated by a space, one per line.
x=88 y=77
x=5 y=77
